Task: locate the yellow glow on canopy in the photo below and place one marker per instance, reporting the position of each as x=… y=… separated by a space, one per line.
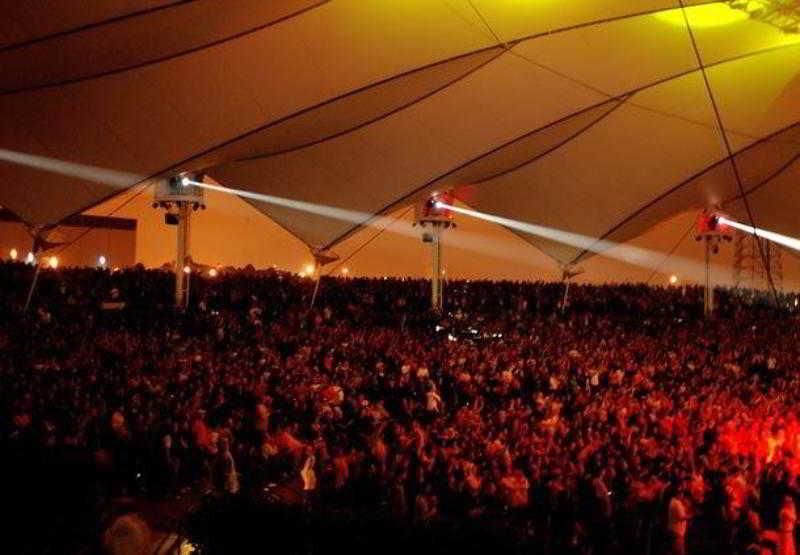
x=709 y=15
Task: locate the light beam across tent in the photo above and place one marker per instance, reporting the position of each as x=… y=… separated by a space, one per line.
x=593 y=109
x=784 y=240
x=467 y=241
x=637 y=153
x=635 y=256
x=632 y=255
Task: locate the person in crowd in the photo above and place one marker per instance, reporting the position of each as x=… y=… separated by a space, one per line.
x=621 y=420
x=678 y=522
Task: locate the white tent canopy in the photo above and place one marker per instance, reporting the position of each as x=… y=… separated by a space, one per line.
x=590 y=116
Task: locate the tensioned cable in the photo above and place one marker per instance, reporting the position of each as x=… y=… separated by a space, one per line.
x=509 y=48
x=197 y=155
x=719 y=122
x=693 y=178
x=370 y=240
x=89 y=229
x=728 y=148
x=480 y=157
x=262 y=127
x=92 y=25
x=672 y=251
x=165 y=58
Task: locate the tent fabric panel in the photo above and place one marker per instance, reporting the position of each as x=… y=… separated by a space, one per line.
x=351 y=111
x=511 y=19
x=34 y=19
x=616 y=166
x=135 y=41
x=774 y=206
x=370 y=168
x=432 y=126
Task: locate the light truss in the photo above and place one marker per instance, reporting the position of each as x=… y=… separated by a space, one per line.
x=783 y=14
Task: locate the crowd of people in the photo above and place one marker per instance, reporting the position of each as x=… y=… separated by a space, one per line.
x=623 y=422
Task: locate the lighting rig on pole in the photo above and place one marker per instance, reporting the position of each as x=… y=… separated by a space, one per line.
x=712 y=231
x=434 y=216
x=179 y=198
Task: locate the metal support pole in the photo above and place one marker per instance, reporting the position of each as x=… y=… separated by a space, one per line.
x=437 y=297
x=33 y=285
x=184 y=216
x=565 y=300
x=188 y=278
x=318 y=277
x=708 y=294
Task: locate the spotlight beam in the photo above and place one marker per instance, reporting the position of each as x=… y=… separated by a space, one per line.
x=309 y=207
x=626 y=253
x=94 y=174
x=784 y=240
x=473 y=242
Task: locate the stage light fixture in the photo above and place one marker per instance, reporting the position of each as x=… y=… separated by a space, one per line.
x=13 y=254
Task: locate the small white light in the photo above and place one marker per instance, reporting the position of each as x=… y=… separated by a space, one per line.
x=30 y=259
x=185 y=181
x=53 y=262
x=345 y=271
x=187 y=270
x=673 y=279
x=212 y=273
x=102 y=261
x=308 y=269
x=439 y=204
x=13 y=254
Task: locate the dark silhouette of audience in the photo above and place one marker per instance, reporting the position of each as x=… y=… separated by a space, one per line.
x=622 y=423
